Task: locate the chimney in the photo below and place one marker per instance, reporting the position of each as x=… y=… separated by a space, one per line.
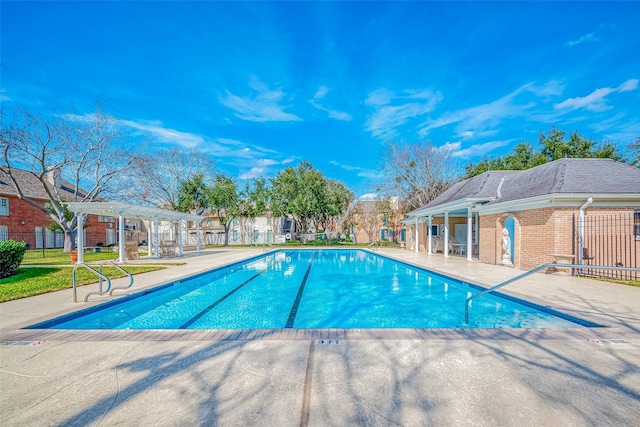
x=54 y=177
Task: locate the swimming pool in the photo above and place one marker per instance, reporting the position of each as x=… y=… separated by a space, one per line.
x=313 y=289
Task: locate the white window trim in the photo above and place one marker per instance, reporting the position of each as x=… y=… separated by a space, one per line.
x=4 y=206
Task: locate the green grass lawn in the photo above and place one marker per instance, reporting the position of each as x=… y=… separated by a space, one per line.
x=40 y=280
x=58 y=257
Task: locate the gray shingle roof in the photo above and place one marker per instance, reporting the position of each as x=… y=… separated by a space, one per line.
x=31 y=186
x=563 y=176
x=572 y=176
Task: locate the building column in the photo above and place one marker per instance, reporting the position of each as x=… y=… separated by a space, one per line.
x=429 y=239
x=417 y=238
x=469 y=234
x=446 y=234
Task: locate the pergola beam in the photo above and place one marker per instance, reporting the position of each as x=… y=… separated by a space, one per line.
x=125 y=210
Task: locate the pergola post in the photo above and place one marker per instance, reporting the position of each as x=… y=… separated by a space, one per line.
x=179 y=238
x=80 y=238
x=198 y=237
x=121 y=238
x=157 y=238
x=149 y=236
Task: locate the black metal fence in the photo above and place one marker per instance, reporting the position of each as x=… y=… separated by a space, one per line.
x=611 y=240
x=48 y=243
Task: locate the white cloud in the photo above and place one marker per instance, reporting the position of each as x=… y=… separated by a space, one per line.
x=263 y=107
x=369 y=197
x=596 y=101
x=361 y=172
x=628 y=85
x=259 y=169
x=334 y=114
x=474 y=150
x=392 y=111
x=585 y=38
x=483 y=116
x=3 y=96
x=172 y=136
x=467 y=134
x=321 y=92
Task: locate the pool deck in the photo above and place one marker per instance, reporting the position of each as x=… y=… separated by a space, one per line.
x=284 y=377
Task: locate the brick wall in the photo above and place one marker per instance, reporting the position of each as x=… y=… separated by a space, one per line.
x=539 y=233
x=21 y=211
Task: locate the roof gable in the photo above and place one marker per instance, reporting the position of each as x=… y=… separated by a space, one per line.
x=32 y=187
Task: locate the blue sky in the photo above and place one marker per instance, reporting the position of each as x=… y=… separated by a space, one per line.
x=264 y=85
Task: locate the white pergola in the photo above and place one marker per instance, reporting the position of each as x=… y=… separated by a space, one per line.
x=125 y=210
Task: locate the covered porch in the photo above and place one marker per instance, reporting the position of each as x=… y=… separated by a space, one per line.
x=451 y=228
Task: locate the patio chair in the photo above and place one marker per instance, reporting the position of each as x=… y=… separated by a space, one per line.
x=131 y=251
x=167 y=248
x=439 y=245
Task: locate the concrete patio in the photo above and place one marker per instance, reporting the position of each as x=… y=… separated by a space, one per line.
x=283 y=377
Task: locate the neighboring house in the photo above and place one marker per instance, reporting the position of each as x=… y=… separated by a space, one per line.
x=585 y=208
x=375 y=220
x=242 y=231
x=21 y=221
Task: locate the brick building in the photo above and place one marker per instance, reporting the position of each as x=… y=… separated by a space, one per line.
x=22 y=221
x=588 y=209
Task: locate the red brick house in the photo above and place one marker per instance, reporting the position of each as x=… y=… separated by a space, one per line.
x=588 y=209
x=21 y=221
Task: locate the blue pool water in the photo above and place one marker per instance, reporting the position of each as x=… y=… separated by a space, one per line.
x=312 y=289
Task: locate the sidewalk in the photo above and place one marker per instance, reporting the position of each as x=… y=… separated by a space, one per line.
x=443 y=377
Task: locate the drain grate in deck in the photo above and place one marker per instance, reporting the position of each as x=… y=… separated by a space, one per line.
x=327 y=342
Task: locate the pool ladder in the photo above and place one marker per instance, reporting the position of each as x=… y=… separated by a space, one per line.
x=373 y=244
x=102 y=277
x=523 y=275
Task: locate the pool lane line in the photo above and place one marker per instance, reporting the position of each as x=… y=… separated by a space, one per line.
x=294 y=308
x=227 y=295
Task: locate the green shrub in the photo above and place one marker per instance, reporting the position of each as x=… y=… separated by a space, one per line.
x=317 y=242
x=11 y=254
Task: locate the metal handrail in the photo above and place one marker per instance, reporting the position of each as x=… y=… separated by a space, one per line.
x=102 y=277
x=551 y=264
x=370 y=246
x=264 y=246
x=125 y=272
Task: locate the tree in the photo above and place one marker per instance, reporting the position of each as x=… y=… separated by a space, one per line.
x=308 y=196
x=337 y=200
x=83 y=150
x=553 y=145
x=417 y=173
x=367 y=216
x=193 y=195
x=634 y=152
x=223 y=199
x=160 y=174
